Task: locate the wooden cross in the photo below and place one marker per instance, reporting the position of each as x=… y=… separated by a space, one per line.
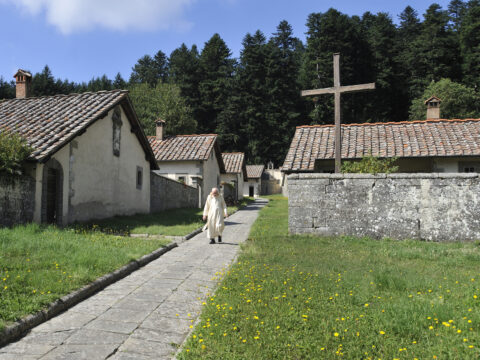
x=337 y=89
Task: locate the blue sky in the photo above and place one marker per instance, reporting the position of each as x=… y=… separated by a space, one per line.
x=81 y=39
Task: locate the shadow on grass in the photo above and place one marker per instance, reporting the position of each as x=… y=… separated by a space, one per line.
x=168 y=222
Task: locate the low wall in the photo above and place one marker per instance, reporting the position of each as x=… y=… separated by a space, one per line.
x=167 y=194
x=436 y=207
x=17 y=200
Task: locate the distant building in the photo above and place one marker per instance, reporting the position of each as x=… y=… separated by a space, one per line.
x=235 y=173
x=195 y=160
x=91 y=158
x=253 y=184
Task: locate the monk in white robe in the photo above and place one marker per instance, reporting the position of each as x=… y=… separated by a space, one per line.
x=214 y=212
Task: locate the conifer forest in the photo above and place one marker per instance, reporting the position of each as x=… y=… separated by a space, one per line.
x=253 y=102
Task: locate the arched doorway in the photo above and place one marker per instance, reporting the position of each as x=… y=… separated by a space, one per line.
x=52 y=192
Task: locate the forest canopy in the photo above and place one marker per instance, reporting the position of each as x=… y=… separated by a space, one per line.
x=253 y=102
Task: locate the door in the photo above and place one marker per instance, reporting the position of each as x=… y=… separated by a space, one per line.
x=251 y=191
x=51 y=213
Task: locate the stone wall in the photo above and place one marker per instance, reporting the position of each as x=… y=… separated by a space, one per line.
x=435 y=206
x=167 y=194
x=17 y=200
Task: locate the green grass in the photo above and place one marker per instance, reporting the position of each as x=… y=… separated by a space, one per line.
x=175 y=222
x=39 y=264
x=306 y=297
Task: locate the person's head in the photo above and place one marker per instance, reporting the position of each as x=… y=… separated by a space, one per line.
x=214 y=191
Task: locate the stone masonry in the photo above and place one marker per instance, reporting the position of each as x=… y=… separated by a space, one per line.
x=434 y=207
x=17 y=199
x=167 y=194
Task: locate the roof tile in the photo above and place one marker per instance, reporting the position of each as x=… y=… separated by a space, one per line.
x=255 y=171
x=48 y=122
x=402 y=139
x=233 y=162
x=183 y=147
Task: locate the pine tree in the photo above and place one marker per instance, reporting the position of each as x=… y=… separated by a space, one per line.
x=329 y=33
x=470 y=43
x=7 y=89
x=456 y=10
x=217 y=67
x=150 y=70
x=119 y=82
x=184 y=71
x=437 y=50
x=409 y=83
x=382 y=104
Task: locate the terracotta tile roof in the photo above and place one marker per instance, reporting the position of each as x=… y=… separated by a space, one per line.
x=183 y=147
x=255 y=171
x=234 y=162
x=50 y=122
x=402 y=139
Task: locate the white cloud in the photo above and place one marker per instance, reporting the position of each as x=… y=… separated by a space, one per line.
x=82 y=15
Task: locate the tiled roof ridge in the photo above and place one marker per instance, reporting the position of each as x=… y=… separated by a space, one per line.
x=391 y=123
x=66 y=95
x=189 y=135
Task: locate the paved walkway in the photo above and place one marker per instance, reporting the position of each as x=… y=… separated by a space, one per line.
x=145 y=315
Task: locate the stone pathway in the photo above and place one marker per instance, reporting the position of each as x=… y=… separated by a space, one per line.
x=146 y=315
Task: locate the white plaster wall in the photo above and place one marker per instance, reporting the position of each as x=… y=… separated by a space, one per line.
x=174 y=169
x=256 y=187
x=238 y=178
x=240 y=186
x=450 y=165
x=104 y=185
x=211 y=175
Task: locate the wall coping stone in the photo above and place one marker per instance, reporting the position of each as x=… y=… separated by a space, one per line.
x=310 y=176
x=172 y=180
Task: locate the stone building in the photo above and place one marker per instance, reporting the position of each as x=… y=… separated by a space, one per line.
x=235 y=174
x=91 y=158
x=194 y=160
x=253 y=183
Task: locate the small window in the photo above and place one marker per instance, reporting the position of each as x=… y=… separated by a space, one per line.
x=194 y=181
x=182 y=179
x=469 y=169
x=139 y=177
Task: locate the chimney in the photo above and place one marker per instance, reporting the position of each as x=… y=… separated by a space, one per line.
x=23 y=82
x=160 y=129
x=433 y=108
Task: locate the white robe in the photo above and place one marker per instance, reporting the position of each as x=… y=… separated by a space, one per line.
x=215 y=210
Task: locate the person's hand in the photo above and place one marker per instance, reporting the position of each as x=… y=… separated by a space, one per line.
x=204 y=218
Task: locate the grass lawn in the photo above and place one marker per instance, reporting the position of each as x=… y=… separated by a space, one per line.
x=39 y=264
x=175 y=222
x=305 y=297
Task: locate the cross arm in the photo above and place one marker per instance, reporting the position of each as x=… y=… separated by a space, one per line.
x=355 y=88
x=330 y=90
x=342 y=89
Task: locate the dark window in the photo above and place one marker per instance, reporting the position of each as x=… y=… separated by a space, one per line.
x=469 y=167
x=139 y=177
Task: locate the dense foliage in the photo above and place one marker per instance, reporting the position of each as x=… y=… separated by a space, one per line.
x=254 y=102
x=370 y=165
x=458 y=101
x=13 y=152
x=163 y=101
